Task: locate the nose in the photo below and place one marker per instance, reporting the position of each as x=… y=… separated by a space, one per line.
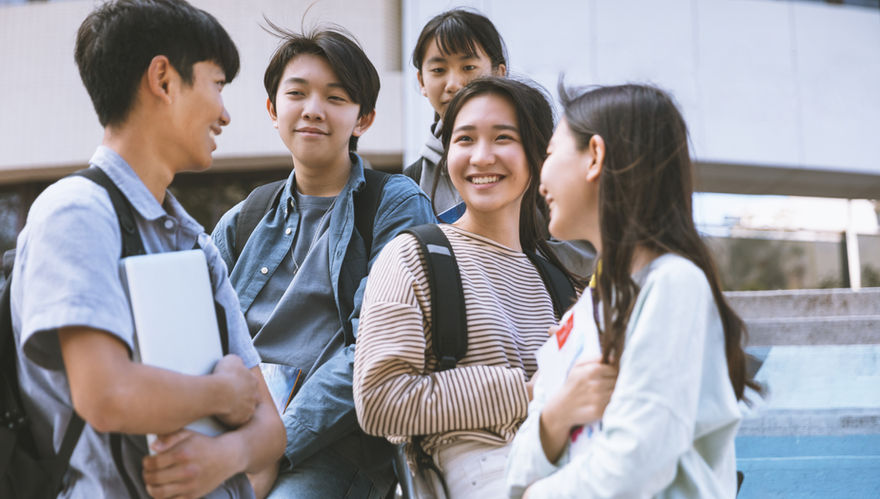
x=455 y=82
x=312 y=109
x=224 y=117
x=482 y=154
x=542 y=190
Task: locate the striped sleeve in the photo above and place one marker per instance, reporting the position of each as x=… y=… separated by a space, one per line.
x=396 y=391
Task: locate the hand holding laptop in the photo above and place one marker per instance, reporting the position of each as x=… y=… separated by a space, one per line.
x=244 y=392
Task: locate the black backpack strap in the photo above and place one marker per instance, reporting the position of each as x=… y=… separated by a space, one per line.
x=131 y=239
x=561 y=289
x=366 y=204
x=259 y=202
x=116 y=451
x=448 y=312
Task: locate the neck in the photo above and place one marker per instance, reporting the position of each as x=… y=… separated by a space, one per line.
x=503 y=228
x=322 y=180
x=143 y=156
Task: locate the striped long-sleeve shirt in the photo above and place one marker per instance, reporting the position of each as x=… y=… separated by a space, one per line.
x=398 y=392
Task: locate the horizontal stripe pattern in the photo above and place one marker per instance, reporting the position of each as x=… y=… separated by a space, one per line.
x=397 y=391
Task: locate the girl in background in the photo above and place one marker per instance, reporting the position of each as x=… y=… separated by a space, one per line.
x=465 y=417
x=619 y=174
x=453 y=48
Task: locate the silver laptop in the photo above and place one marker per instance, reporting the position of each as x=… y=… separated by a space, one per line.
x=175 y=322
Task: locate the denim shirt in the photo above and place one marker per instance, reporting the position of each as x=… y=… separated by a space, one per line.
x=323 y=411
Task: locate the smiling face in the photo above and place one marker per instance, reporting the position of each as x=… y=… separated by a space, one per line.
x=486 y=160
x=573 y=201
x=443 y=75
x=198 y=117
x=314 y=115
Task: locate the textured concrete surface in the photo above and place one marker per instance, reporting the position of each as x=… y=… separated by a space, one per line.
x=816 y=433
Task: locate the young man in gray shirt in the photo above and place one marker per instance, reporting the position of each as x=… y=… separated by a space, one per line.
x=154 y=70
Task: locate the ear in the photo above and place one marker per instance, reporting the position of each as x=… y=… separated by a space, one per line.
x=159 y=76
x=272 y=114
x=364 y=123
x=501 y=70
x=421 y=83
x=597 y=152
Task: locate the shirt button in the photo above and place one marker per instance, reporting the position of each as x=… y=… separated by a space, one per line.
x=264 y=270
x=288 y=231
x=169 y=224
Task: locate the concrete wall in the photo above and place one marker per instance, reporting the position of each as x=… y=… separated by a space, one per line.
x=48 y=125
x=787 y=86
x=781 y=96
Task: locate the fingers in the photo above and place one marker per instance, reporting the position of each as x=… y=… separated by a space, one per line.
x=168 y=441
x=170 y=491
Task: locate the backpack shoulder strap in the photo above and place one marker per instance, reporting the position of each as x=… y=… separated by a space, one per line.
x=259 y=202
x=366 y=204
x=561 y=289
x=414 y=171
x=131 y=239
x=448 y=312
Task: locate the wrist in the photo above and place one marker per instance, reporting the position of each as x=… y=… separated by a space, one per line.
x=220 y=392
x=235 y=449
x=554 y=420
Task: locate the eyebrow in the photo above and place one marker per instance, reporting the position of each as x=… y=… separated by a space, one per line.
x=440 y=59
x=467 y=128
x=303 y=81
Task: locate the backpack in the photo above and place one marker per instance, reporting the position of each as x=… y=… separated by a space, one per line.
x=449 y=315
x=265 y=198
x=23 y=471
x=448 y=309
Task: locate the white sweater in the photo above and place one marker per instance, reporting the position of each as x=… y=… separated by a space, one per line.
x=669 y=428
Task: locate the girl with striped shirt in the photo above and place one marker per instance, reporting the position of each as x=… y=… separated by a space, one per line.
x=495 y=137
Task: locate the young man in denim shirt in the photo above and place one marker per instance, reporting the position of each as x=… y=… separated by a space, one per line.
x=301 y=274
x=154 y=70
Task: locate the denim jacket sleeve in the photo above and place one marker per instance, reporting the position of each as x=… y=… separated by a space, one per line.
x=323 y=411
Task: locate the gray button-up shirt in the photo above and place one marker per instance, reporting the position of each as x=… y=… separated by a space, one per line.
x=66 y=274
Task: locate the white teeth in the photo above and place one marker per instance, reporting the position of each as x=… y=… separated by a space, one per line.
x=213 y=134
x=485 y=180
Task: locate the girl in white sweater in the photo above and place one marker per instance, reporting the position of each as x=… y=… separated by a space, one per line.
x=619 y=174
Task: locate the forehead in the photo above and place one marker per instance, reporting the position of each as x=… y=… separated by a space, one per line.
x=436 y=52
x=486 y=109
x=208 y=69
x=311 y=69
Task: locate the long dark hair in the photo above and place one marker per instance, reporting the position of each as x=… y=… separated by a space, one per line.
x=534 y=118
x=645 y=191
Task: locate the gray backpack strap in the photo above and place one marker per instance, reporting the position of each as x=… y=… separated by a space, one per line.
x=259 y=202
x=366 y=204
x=414 y=171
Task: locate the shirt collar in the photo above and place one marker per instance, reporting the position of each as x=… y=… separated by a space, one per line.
x=355 y=183
x=131 y=186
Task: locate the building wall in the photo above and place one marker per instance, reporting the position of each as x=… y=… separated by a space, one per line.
x=789 y=87
x=48 y=125
x=780 y=95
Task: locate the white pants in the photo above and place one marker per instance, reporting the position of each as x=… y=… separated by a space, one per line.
x=471 y=469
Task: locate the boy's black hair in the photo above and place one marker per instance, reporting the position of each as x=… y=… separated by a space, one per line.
x=347 y=59
x=116 y=42
x=461 y=31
